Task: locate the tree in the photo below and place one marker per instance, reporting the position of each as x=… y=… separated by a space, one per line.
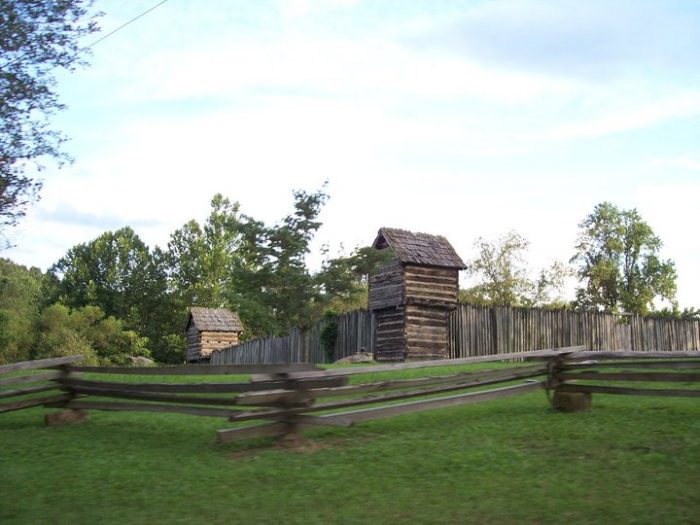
x=200 y=258
x=118 y=273
x=618 y=262
x=87 y=331
x=36 y=38
x=504 y=278
x=20 y=305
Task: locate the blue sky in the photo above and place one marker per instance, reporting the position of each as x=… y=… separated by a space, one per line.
x=461 y=118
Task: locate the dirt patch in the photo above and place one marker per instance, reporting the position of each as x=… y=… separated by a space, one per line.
x=301 y=445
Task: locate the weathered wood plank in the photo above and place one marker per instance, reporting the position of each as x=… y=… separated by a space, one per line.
x=283 y=398
x=228 y=435
x=600 y=389
x=33 y=378
x=622 y=354
x=368 y=414
x=198 y=370
x=33 y=402
x=441 y=389
x=27 y=390
x=39 y=363
x=520 y=372
x=147 y=407
x=650 y=363
x=534 y=354
x=156 y=397
x=323 y=421
x=629 y=376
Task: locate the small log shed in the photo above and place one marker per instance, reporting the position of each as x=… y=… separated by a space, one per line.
x=210 y=329
x=412 y=295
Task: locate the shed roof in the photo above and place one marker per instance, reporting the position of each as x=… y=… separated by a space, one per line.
x=419 y=248
x=214 y=320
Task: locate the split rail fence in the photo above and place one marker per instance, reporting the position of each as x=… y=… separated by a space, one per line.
x=476 y=331
x=287 y=399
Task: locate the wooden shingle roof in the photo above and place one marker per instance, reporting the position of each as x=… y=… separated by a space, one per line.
x=419 y=248
x=214 y=320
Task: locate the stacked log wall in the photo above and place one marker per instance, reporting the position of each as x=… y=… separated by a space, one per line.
x=386 y=288
x=193 y=342
x=426 y=332
x=431 y=286
x=200 y=345
x=390 y=342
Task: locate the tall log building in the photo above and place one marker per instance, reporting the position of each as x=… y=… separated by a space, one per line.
x=412 y=295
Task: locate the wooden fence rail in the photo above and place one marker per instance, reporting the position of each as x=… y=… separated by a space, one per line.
x=285 y=399
x=476 y=331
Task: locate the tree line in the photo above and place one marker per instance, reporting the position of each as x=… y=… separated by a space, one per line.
x=114 y=298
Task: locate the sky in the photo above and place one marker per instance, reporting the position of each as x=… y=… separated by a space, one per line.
x=460 y=118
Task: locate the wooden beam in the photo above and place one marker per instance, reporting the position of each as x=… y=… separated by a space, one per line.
x=198 y=370
x=33 y=402
x=650 y=363
x=368 y=414
x=279 y=398
x=28 y=390
x=397 y=384
x=346 y=403
x=156 y=397
x=33 y=378
x=40 y=363
x=599 y=389
x=623 y=354
x=630 y=376
x=228 y=435
x=534 y=354
x=146 y=407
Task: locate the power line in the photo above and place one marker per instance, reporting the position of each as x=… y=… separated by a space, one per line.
x=125 y=24
x=101 y=38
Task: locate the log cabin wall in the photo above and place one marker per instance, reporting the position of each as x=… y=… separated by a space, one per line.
x=216 y=340
x=390 y=334
x=426 y=332
x=386 y=287
x=431 y=285
x=193 y=341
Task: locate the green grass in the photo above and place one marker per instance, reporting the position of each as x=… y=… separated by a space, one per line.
x=630 y=460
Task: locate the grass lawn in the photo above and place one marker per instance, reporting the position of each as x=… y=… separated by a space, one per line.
x=630 y=460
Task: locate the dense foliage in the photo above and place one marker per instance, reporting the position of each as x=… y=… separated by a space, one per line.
x=618 y=263
x=113 y=297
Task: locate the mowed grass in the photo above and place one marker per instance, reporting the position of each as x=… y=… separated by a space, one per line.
x=629 y=460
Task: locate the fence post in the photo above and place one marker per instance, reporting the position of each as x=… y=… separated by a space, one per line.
x=564 y=401
x=67 y=416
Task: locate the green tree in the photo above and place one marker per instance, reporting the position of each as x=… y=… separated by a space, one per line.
x=87 y=331
x=503 y=277
x=271 y=287
x=37 y=37
x=617 y=254
x=118 y=273
x=200 y=259
x=20 y=305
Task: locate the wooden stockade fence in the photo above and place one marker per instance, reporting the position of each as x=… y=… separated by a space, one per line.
x=289 y=398
x=355 y=332
x=475 y=331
